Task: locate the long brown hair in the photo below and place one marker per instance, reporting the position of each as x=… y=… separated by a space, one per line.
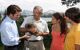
x=63 y=25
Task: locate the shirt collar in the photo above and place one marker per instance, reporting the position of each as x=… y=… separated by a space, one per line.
x=38 y=20
x=9 y=19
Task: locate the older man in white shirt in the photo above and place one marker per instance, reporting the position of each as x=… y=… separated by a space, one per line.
x=36 y=42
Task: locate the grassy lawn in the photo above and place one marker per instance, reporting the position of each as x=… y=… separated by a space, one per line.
x=1 y=48
x=47 y=48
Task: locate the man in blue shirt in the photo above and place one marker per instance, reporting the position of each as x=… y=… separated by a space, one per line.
x=9 y=32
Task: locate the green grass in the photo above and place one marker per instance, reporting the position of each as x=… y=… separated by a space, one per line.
x=47 y=49
x=1 y=47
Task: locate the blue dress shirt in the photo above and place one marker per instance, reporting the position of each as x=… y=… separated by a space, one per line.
x=9 y=32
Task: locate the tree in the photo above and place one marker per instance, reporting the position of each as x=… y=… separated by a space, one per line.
x=70 y=2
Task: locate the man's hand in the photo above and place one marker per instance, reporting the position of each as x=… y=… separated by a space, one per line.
x=25 y=37
x=39 y=33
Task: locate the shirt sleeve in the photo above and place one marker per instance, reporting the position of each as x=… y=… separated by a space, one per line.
x=77 y=35
x=9 y=35
x=46 y=28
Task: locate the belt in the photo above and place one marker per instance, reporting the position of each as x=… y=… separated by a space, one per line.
x=34 y=40
x=11 y=46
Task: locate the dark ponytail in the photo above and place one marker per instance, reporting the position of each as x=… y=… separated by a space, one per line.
x=63 y=24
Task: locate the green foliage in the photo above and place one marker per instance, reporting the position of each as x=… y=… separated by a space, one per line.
x=47 y=39
x=1 y=47
x=0 y=19
x=19 y=22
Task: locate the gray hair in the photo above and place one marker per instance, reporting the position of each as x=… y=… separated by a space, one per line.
x=39 y=8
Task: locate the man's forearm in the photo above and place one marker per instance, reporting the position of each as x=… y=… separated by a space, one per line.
x=77 y=47
x=45 y=33
x=42 y=33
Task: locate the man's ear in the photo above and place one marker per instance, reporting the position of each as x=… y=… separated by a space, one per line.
x=58 y=20
x=65 y=17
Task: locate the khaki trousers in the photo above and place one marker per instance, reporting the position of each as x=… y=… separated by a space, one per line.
x=34 y=45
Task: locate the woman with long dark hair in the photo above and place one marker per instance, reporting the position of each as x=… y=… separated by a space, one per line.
x=59 y=30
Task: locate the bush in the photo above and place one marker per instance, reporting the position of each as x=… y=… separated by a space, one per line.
x=47 y=39
x=19 y=22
